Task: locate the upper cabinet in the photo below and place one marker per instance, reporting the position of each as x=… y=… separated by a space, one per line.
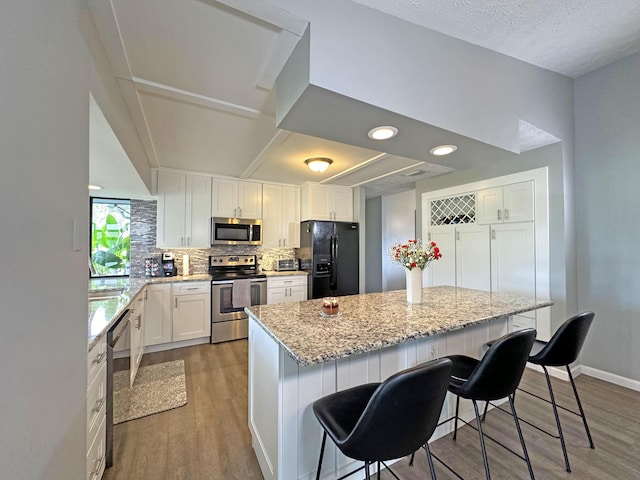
x=236 y=199
x=326 y=202
x=184 y=210
x=280 y=216
x=506 y=204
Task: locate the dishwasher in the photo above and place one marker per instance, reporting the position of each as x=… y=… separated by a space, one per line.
x=117 y=344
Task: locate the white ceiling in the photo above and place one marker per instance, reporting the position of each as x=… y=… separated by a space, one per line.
x=198 y=76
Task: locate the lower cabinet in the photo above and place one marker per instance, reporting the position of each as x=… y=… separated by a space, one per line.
x=136 y=327
x=96 y=409
x=286 y=289
x=191 y=310
x=158 y=325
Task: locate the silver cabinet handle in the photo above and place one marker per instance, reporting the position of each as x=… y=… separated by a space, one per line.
x=499 y=214
x=493 y=234
x=99 y=358
x=457 y=235
x=98 y=466
x=506 y=214
x=175 y=302
x=188 y=241
x=192 y=288
x=99 y=405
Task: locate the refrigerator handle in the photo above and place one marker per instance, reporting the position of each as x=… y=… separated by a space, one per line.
x=334 y=263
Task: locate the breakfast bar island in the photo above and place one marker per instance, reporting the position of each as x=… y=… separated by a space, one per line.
x=297 y=356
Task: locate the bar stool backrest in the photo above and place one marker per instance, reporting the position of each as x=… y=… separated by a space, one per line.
x=500 y=370
x=566 y=344
x=402 y=413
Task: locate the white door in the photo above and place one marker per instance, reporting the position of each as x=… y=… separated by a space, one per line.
x=518 y=202
x=489 y=206
x=224 y=196
x=272 y=216
x=191 y=317
x=198 y=211
x=443 y=271
x=290 y=216
x=473 y=263
x=157 y=314
x=249 y=200
x=171 y=209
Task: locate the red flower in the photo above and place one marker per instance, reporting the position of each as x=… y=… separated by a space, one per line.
x=433 y=244
x=436 y=250
x=414 y=264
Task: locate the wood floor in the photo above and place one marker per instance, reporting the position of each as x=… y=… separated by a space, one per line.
x=209 y=438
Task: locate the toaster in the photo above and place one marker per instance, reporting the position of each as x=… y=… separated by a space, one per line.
x=286 y=264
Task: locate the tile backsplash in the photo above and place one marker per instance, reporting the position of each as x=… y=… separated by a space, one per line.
x=143 y=245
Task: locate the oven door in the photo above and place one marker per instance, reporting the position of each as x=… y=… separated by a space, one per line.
x=227 y=322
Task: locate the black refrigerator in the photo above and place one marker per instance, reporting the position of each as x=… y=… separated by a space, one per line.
x=329 y=253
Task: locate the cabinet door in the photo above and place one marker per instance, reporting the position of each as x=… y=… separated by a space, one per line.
x=171 y=209
x=342 y=204
x=518 y=202
x=489 y=206
x=191 y=316
x=290 y=216
x=443 y=271
x=250 y=200
x=297 y=293
x=473 y=262
x=224 y=201
x=136 y=328
x=513 y=260
x=272 y=216
x=197 y=211
x=276 y=295
x=157 y=315
x=317 y=202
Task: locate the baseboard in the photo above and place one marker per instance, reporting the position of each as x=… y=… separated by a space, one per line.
x=612 y=378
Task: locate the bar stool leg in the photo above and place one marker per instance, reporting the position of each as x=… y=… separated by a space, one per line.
x=366 y=471
x=324 y=440
x=432 y=470
x=524 y=448
x=584 y=418
x=455 y=422
x=482 y=447
x=555 y=413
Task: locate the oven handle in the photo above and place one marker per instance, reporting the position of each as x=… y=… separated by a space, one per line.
x=229 y=282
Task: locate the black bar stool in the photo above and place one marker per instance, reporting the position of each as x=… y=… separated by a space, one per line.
x=561 y=351
x=384 y=421
x=494 y=377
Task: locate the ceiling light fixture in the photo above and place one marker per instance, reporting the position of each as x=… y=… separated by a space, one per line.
x=94 y=187
x=318 y=164
x=443 y=150
x=383 y=133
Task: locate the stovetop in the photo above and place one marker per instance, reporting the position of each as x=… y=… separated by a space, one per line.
x=233 y=267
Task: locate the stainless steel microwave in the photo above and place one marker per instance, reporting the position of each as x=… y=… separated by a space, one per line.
x=236 y=231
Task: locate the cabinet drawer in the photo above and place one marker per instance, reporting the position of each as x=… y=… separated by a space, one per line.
x=96 y=403
x=96 y=359
x=96 y=455
x=286 y=281
x=191 y=288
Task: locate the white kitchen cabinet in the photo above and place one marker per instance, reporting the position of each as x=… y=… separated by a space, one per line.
x=136 y=329
x=157 y=315
x=465 y=260
x=191 y=310
x=326 y=202
x=96 y=409
x=236 y=198
x=286 y=289
x=506 y=204
x=184 y=210
x=280 y=216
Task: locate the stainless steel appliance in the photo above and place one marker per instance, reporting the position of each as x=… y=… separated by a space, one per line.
x=117 y=343
x=231 y=273
x=329 y=253
x=286 y=264
x=236 y=231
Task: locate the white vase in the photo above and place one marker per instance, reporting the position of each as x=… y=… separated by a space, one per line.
x=414 y=285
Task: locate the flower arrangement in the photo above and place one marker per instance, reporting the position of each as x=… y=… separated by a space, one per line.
x=412 y=254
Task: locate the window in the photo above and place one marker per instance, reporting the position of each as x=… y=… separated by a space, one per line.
x=110 y=220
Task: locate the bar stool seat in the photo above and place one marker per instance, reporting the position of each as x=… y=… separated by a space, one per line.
x=377 y=422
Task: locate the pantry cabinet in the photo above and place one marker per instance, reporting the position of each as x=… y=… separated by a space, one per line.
x=236 y=199
x=326 y=202
x=286 y=289
x=506 y=204
x=191 y=310
x=157 y=315
x=184 y=210
x=280 y=216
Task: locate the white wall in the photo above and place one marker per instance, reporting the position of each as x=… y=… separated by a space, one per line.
x=398 y=225
x=607 y=113
x=50 y=64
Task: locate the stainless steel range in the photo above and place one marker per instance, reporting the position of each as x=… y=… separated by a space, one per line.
x=235 y=284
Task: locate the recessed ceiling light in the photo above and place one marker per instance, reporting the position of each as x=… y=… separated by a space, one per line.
x=318 y=164
x=383 y=133
x=94 y=187
x=443 y=150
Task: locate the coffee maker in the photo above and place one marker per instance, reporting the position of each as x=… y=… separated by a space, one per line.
x=169 y=265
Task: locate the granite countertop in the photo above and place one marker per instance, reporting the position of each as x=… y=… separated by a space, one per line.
x=104 y=313
x=376 y=320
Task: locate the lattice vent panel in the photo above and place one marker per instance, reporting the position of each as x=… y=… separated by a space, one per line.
x=461 y=209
